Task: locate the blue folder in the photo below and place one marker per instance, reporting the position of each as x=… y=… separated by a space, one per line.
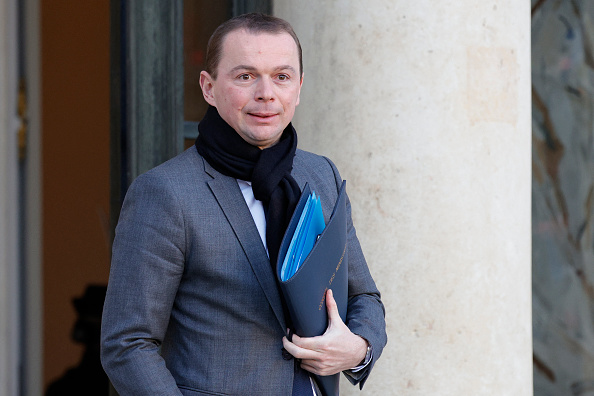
x=310 y=226
x=318 y=268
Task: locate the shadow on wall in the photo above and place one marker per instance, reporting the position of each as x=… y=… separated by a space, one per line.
x=88 y=378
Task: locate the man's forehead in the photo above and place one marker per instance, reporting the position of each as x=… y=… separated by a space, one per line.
x=245 y=39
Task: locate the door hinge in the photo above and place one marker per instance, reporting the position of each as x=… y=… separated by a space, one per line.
x=22 y=113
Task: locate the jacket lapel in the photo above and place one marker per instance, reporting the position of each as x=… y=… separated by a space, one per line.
x=229 y=196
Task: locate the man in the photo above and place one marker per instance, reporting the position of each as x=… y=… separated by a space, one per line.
x=193 y=306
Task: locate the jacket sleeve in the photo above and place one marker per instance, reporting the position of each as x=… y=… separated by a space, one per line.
x=365 y=310
x=146 y=268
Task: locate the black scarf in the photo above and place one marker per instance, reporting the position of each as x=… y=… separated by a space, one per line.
x=269 y=170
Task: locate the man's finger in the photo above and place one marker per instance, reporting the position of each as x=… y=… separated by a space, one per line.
x=306 y=343
x=298 y=351
x=332 y=307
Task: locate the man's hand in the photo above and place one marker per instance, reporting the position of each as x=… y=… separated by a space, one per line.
x=334 y=351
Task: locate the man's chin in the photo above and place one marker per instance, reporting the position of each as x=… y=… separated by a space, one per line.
x=263 y=140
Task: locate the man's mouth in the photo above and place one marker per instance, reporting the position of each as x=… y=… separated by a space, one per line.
x=263 y=116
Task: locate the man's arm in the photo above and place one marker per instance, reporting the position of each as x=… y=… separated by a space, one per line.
x=147 y=265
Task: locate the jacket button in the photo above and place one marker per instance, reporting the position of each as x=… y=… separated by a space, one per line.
x=287 y=355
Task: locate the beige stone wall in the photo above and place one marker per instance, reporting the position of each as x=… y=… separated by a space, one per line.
x=425 y=108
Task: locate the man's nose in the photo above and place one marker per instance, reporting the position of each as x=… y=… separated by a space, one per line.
x=264 y=90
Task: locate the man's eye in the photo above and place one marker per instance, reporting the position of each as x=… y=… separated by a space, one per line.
x=244 y=77
x=283 y=77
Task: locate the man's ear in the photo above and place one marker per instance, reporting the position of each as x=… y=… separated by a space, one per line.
x=207 y=85
x=299 y=93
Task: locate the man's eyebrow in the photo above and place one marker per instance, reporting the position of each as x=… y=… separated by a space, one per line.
x=242 y=67
x=252 y=68
x=287 y=67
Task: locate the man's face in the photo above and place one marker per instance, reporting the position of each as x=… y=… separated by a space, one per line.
x=257 y=86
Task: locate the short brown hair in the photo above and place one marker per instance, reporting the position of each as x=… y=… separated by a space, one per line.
x=253 y=23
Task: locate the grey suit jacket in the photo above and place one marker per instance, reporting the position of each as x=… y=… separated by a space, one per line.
x=192 y=305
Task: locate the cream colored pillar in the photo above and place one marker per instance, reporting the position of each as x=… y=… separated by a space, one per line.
x=425 y=108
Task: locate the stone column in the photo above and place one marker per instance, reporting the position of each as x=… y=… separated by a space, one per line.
x=425 y=108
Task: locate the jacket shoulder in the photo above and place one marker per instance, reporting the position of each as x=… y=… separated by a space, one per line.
x=319 y=171
x=309 y=157
x=186 y=165
x=310 y=162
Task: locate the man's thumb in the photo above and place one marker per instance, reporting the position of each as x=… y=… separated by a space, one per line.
x=331 y=306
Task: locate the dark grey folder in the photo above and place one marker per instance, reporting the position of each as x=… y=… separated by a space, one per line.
x=326 y=267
